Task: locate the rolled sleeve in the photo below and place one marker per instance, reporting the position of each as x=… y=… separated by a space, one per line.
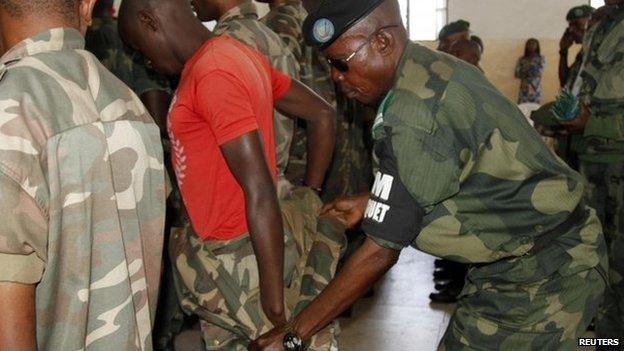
x=23 y=235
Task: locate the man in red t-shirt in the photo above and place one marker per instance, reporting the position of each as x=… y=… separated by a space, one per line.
x=241 y=267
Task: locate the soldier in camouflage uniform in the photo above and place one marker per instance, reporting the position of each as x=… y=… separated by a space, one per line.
x=462 y=176
x=601 y=150
x=82 y=188
x=242 y=23
x=569 y=76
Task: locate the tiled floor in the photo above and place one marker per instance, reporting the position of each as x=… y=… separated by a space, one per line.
x=399 y=317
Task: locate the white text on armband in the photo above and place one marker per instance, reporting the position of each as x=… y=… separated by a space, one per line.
x=381 y=189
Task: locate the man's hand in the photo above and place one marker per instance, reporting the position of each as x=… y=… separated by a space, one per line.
x=271 y=341
x=576 y=125
x=365 y=266
x=566 y=41
x=350 y=209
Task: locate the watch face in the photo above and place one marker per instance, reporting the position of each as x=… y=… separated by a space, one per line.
x=292 y=342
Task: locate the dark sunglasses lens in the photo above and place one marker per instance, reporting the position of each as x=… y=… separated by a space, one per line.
x=339 y=65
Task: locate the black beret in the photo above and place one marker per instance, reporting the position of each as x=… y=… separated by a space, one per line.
x=454 y=27
x=579 y=12
x=322 y=27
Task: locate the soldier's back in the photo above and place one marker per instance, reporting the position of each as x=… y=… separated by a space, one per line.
x=80 y=145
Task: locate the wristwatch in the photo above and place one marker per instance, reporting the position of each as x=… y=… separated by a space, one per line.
x=293 y=342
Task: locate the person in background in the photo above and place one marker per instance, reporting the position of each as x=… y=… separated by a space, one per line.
x=82 y=190
x=570 y=75
x=247 y=261
x=455 y=39
x=578 y=20
x=468 y=51
x=452 y=32
x=529 y=70
x=601 y=148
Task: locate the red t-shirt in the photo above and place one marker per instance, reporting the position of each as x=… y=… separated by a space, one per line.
x=226 y=90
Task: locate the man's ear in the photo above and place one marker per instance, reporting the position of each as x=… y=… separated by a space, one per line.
x=384 y=42
x=148 y=20
x=85 y=12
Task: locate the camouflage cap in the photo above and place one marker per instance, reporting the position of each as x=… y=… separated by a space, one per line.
x=579 y=12
x=454 y=27
x=322 y=27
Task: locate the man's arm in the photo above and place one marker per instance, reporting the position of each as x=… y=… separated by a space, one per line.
x=245 y=158
x=17 y=321
x=301 y=102
x=369 y=263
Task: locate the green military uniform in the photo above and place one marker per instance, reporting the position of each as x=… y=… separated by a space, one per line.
x=350 y=171
x=218 y=280
x=464 y=177
x=602 y=153
x=83 y=188
x=242 y=23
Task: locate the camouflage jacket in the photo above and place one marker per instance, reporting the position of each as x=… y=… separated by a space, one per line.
x=462 y=175
x=102 y=39
x=286 y=20
x=242 y=23
x=82 y=190
x=603 y=89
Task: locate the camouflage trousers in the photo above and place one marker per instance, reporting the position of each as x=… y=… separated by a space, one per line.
x=605 y=192
x=539 y=301
x=218 y=280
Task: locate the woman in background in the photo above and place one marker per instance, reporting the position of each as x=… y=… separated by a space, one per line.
x=529 y=70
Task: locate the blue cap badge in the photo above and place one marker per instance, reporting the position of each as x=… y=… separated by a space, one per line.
x=323 y=30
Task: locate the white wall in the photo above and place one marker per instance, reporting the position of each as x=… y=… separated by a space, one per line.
x=513 y=19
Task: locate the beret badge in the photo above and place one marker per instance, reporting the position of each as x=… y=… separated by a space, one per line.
x=324 y=30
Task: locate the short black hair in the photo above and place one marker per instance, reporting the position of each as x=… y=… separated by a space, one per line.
x=17 y=8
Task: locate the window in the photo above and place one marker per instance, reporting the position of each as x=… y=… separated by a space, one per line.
x=597 y=3
x=424 y=18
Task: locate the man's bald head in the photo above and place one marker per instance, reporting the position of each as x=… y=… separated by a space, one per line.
x=19 y=8
x=161 y=30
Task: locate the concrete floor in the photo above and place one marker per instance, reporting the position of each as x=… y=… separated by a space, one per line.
x=399 y=317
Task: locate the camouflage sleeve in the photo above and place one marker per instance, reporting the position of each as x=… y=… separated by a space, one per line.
x=23 y=235
x=426 y=157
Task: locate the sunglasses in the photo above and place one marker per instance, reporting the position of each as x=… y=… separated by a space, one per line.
x=342 y=64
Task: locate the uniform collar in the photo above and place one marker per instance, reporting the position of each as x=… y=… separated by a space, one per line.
x=56 y=39
x=246 y=10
